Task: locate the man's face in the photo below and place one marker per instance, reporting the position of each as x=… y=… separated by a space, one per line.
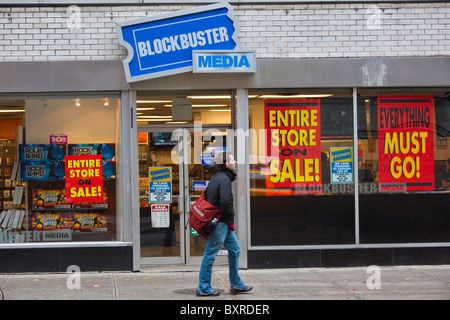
x=231 y=163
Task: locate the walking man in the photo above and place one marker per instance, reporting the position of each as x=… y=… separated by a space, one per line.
x=219 y=194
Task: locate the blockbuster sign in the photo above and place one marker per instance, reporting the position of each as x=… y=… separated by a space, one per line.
x=163 y=45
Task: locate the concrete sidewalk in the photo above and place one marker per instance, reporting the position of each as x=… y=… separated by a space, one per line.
x=180 y=282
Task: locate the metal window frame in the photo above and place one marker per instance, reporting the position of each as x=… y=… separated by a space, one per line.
x=123 y=182
x=357 y=244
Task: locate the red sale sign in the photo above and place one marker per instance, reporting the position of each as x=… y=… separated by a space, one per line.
x=84 y=178
x=293 y=138
x=406 y=143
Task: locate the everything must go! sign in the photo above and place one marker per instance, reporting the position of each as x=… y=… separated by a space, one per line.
x=406 y=143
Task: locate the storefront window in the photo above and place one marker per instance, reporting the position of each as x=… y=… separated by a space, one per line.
x=403 y=161
x=58 y=169
x=301 y=168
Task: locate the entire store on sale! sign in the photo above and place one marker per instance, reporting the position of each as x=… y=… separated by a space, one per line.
x=84 y=178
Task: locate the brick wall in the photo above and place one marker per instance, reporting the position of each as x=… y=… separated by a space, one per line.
x=274 y=31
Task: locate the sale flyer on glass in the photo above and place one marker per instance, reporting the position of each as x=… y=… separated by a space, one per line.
x=406 y=143
x=293 y=136
x=84 y=178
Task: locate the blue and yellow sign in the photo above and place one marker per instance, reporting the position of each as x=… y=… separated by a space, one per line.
x=160 y=183
x=341 y=160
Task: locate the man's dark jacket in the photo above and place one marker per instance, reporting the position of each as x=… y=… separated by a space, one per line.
x=219 y=194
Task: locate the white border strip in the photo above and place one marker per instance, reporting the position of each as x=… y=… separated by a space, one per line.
x=352 y=246
x=80 y=244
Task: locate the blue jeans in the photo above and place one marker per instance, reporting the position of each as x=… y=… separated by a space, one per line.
x=222 y=236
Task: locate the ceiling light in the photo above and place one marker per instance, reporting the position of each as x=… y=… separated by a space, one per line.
x=143 y=109
x=227 y=110
x=209 y=105
x=155 y=117
x=201 y=105
x=296 y=96
x=153 y=101
x=217 y=97
x=210 y=97
x=11 y=110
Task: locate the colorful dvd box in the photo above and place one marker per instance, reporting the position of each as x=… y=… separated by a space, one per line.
x=49 y=199
x=88 y=222
x=50 y=221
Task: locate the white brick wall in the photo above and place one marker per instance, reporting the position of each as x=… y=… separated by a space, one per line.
x=274 y=31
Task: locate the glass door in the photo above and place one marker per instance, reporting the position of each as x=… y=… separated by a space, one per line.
x=203 y=146
x=175 y=166
x=160 y=198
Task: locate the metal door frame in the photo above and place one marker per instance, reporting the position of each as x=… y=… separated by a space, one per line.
x=189 y=259
x=183 y=197
x=174 y=259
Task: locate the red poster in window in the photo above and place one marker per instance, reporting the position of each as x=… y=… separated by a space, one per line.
x=84 y=178
x=293 y=138
x=406 y=143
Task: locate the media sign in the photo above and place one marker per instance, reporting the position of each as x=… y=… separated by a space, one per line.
x=162 y=45
x=218 y=61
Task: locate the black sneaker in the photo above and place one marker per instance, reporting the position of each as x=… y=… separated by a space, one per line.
x=245 y=290
x=212 y=294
